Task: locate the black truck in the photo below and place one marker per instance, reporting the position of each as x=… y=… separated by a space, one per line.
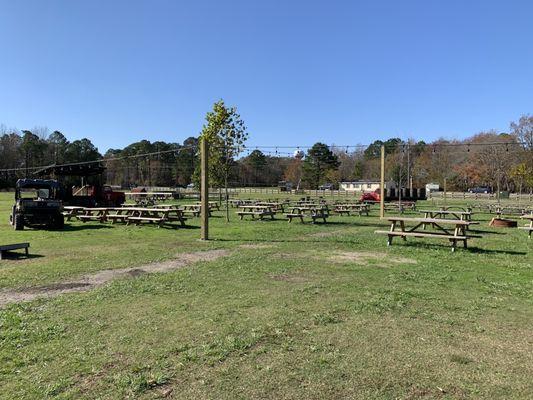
x=37 y=204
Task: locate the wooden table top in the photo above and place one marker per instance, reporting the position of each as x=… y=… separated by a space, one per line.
x=446 y=212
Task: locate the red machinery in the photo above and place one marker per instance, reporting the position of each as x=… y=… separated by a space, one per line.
x=93 y=194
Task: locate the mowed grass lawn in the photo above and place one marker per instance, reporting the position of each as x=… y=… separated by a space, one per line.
x=291 y=311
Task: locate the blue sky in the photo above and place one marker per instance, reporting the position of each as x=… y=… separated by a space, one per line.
x=343 y=72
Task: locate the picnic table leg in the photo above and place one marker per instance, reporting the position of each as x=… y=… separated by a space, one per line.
x=402 y=226
x=389 y=240
x=26 y=251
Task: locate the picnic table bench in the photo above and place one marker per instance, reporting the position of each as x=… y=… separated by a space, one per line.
x=15 y=246
x=528 y=227
x=314 y=213
x=256 y=211
x=457 y=235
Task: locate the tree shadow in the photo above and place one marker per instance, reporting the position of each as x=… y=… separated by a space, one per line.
x=485 y=232
x=471 y=249
x=74 y=228
x=281 y=240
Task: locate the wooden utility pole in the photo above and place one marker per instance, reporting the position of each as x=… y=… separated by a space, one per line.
x=382 y=186
x=445 y=194
x=204 y=188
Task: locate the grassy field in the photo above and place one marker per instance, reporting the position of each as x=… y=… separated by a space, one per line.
x=285 y=311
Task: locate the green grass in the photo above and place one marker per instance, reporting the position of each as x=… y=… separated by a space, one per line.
x=293 y=312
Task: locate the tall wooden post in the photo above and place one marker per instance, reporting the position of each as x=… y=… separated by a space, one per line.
x=204 y=189
x=382 y=186
x=445 y=194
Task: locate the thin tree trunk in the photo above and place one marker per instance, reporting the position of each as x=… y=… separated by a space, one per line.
x=226 y=194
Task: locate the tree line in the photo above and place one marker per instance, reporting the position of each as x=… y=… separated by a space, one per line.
x=497 y=160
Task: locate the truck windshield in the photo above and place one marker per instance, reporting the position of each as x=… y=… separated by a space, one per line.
x=31 y=193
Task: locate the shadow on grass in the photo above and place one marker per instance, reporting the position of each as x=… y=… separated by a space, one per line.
x=74 y=228
x=476 y=250
x=13 y=255
x=486 y=232
x=218 y=239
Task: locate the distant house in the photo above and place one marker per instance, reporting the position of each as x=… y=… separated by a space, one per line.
x=432 y=187
x=365 y=186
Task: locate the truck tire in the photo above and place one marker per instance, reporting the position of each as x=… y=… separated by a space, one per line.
x=18 y=222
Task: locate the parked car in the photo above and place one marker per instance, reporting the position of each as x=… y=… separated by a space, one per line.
x=370 y=196
x=327 y=186
x=480 y=189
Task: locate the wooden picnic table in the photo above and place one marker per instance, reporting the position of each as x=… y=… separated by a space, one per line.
x=276 y=206
x=500 y=210
x=443 y=229
x=528 y=227
x=93 y=214
x=72 y=211
x=212 y=205
x=193 y=209
x=343 y=208
x=320 y=212
x=160 y=216
x=256 y=211
x=461 y=215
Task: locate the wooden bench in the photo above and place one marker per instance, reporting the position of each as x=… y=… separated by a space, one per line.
x=15 y=246
x=458 y=234
x=137 y=220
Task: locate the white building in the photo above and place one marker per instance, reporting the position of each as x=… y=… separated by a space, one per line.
x=365 y=186
x=432 y=187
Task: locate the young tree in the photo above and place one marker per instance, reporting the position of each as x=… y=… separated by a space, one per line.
x=226 y=134
x=293 y=172
x=319 y=161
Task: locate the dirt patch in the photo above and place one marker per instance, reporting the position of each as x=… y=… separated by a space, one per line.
x=100 y=278
x=57 y=286
x=289 y=278
x=365 y=257
x=255 y=246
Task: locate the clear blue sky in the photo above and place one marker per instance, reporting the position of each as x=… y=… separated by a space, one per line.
x=341 y=72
